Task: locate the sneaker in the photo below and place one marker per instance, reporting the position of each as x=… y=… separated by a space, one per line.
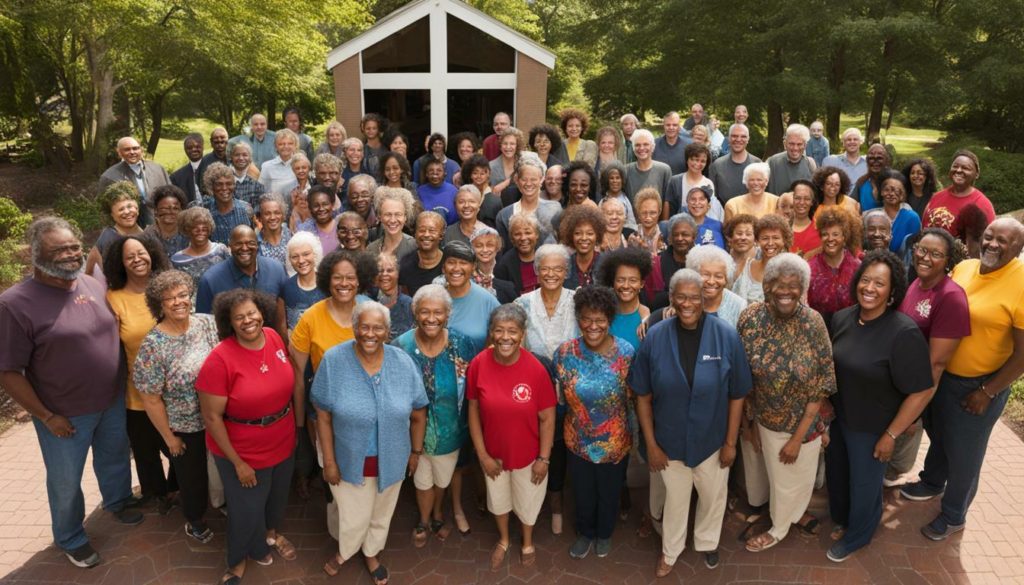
x=129 y=517
x=838 y=553
x=891 y=479
x=602 y=547
x=199 y=531
x=939 y=529
x=581 y=548
x=84 y=556
x=919 y=492
x=711 y=559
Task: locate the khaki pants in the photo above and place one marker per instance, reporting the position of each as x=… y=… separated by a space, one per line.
x=790 y=485
x=711 y=480
x=332 y=507
x=755 y=476
x=215 y=485
x=365 y=516
x=512 y=491
x=435 y=471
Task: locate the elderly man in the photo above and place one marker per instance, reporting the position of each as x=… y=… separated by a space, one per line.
x=975 y=386
x=293 y=121
x=360 y=200
x=421 y=268
x=187 y=176
x=327 y=171
x=629 y=123
x=791 y=164
x=817 y=147
x=696 y=118
x=691 y=376
x=877 y=230
x=247 y=186
x=247 y=269
x=227 y=209
x=727 y=171
x=492 y=144
x=669 y=147
x=261 y=140
x=60 y=361
x=850 y=162
x=145 y=175
x=219 y=142
x=646 y=172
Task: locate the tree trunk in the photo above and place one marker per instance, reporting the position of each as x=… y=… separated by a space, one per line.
x=881 y=93
x=834 y=107
x=271 y=111
x=156 y=115
x=102 y=77
x=891 y=106
x=776 y=130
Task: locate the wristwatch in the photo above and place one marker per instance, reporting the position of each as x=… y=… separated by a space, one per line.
x=544 y=460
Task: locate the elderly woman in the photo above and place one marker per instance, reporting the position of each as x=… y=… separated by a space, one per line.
x=388 y=294
x=486 y=244
x=791 y=361
x=920 y=183
x=442 y=355
x=612 y=183
x=582 y=229
x=168 y=201
x=464 y=146
x=773 y=237
x=756 y=201
x=716 y=269
x=609 y=150
x=517 y=263
x=301 y=167
x=273 y=234
x=739 y=238
x=905 y=221
x=352 y=232
x=276 y=174
x=246 y=397
x=682 y=233
x=701 y=135
x=227 y=208
x=624 y=271
x=877 y=232
x=334 y=135
x=648 y=211
x=529 y=176
x=467 y=205
x=832 y=188
x=805 y=232
x=164 y=373
x=371 y=417
x=360 y=198
x=195 y=259
x=592 y=370
x=547 y=143
x=435 y=193
x=422 y=267
x=884 y=375
x=120 y=202
x=323 y=223
x=511 y=144
x=689 y=442
x=477 y=172
x=471 y=303
x=129 y=265
x=300 y=291
x=574 y=124
x=616 y=234
x=832 y=270
x=394 y=207
x=698 y=157
x=512 y=423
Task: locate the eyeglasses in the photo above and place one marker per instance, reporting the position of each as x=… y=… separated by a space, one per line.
x=183 y=296
x=552 y=270
x=934 y=254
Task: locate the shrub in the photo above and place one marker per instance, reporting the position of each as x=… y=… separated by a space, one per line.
x=81 y=210
x=1001 y=172
x=13 y=221
x=12 y=267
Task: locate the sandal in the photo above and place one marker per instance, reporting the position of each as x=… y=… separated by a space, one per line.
x=498 y=555
x=284 y=547
x=663 y=568
x=462 y=524
x=528 y=556
x=440 y=529
x=229 y=578
x=379 y=575
x=761 y=542
x=809 y=528
x=645 y=529
x=419 y=535
x=838 y=532
x=333 y=565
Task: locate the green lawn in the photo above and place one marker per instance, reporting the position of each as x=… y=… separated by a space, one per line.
x=170 y=153
x=906 y=141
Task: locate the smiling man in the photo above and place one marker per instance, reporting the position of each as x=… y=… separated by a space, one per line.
x=186 y=178
x=145 y=175
x=792 y=163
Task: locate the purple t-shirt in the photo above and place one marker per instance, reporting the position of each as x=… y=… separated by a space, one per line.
x=65 y=342
x=940 y=311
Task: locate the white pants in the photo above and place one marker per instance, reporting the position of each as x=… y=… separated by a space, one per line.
x=711 y=481
x=755 y=476
x=365 y=516
x=333 y=521
x=512 y=491
x=435 y=471
x=791 y=485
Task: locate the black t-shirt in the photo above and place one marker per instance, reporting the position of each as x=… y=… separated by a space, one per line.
x=689 y=346
x=877 y=365
x=411 y=277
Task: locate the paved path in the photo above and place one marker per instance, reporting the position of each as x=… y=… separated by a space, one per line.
x=990 y=550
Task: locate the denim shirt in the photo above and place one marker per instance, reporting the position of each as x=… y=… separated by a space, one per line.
x=343 y=388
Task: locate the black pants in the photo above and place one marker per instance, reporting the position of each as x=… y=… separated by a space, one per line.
x=147 y=445
x=556 y=470
x=253 y=511
x=190 y=467
x=597 y=487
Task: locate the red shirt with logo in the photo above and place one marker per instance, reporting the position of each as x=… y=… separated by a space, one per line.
x=510 y=398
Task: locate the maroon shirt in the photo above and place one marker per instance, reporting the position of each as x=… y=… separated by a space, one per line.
x=65 y=342
x=492 y=148
x=940 y=311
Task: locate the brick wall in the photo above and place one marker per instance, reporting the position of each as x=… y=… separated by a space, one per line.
x=348 y=100
x=531 y=92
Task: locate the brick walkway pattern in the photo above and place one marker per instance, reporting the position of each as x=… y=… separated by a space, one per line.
x=990 y=550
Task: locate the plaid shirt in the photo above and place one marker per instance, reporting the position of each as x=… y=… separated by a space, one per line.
x=239 y=214
x=249 y=190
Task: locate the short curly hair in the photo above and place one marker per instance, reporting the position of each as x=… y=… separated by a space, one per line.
x=189 y=218
x=644 y=195
x=570 y=113
x=226 y=302
x=160 y=285
x=546 y=130
x=116 y=193
x=595 y=297
x=737 y=220
x=576 y=216
x=477 y=161
x=695 y=149
x=457 y=139
x=610 y=262
x=169 y=192
x=775 y=222
x=214 y=172
x=520 y=138
x=364 y=263
x=897 y=276
x=837 y=216
x=818 y=180
x=402 y=196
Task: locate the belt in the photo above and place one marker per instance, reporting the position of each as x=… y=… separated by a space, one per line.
x=264 y=421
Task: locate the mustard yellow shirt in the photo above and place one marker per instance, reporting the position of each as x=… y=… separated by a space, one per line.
x=742 y=204
x=996 y=304
x=317 y=331
x=134 y=322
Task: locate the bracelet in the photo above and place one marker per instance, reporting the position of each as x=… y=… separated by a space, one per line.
x=417 y=451
x=891 y=436
x=985 y=392
x=544 y=460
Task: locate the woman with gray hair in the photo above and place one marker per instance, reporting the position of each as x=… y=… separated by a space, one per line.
x=371 y=409
x=516 y=265
x=529 y=177
x=276 y=174
x=394 y=208
x=682 y=233
x=486 y=244
x=467 y=206
x=273 y=234
x=756 y=201
x=442 y=355
x=791 y=361
x=391 y=296
x=196 y=224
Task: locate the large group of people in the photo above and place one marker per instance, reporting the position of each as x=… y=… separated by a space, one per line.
x=514 y=311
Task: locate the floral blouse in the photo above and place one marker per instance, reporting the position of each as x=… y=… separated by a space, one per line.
x=167 y=366
x=543 y=333
x=791 y=362
x=830 y=287
x=746 y=287
x=598 y=400
x=278 y=252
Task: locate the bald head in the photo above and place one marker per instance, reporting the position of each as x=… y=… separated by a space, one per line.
x=244 y=247
x=129 y=150
x=1002 y=241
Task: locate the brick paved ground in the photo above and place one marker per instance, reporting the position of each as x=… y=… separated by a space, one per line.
x=991 y=550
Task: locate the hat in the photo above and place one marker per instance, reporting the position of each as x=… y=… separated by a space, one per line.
x=704 y=189
x=459 y=249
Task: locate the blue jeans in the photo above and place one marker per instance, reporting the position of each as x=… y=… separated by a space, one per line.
x=105 y=433
x=854 y=484
x=958 y=443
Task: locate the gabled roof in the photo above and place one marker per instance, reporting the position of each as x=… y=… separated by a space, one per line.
x=418 y=9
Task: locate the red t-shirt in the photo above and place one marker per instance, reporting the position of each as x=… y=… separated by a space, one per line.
x=940 y=311
x=510 y=397
x=492 y=148
x=806 y=240
x=944 y=208
x=257 y=383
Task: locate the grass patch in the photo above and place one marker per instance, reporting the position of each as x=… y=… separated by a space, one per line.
x=1013 y=415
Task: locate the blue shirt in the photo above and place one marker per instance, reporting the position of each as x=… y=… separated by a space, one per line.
x=866 y=197
x=853 y=171
x=907 y=223
x=691 y=417
x=297 y=300
x=672 y=155
x=359 y=407
x=624 y=327
x=262 y=150
x=817 y=149
x=470 y=314
x=710 y=232
x=269 y=278
x=440 y=199
x=240 y=214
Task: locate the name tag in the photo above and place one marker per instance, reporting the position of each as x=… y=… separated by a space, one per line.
x=710 y=358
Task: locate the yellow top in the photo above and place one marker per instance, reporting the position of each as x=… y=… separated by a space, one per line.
x=134 y=322
x=996 y=304
x=742 y=204
x=317 y=331
x=571 y=146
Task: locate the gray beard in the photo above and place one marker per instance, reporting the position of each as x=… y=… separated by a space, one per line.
x=53 y=270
